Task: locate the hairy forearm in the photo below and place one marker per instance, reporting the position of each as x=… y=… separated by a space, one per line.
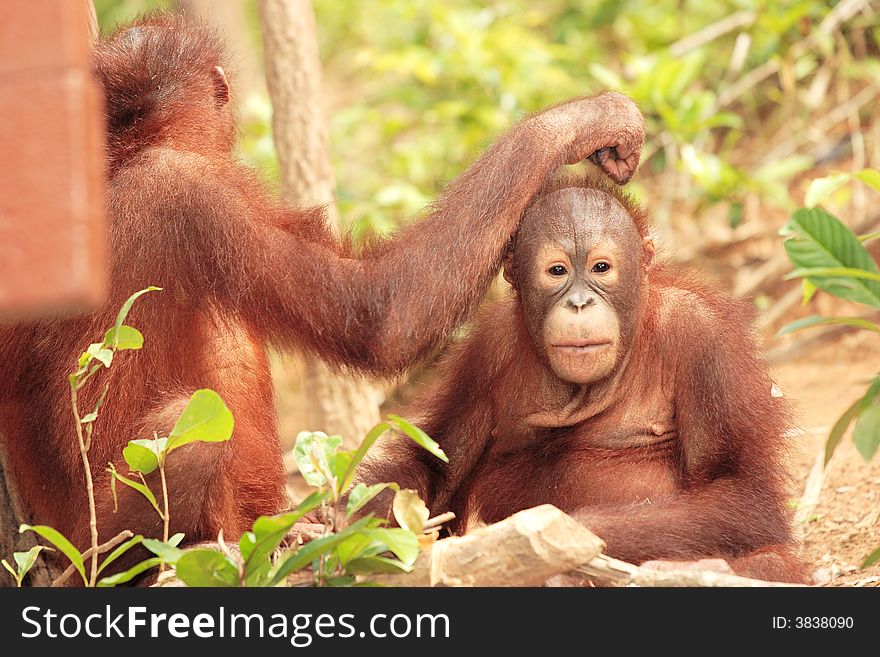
x=387 y=310
x=724 y=517
x=436 y=270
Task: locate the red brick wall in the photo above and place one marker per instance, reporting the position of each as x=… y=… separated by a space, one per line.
x=51 y=158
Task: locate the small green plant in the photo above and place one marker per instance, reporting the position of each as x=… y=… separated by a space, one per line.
x=205 y=418
x=348 y=546
x=98 y=355
x=24 y=561
x=829 y=256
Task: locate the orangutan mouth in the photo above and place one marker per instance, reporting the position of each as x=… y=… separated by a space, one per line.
x=581 y=346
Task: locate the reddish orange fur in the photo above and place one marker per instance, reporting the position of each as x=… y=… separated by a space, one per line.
x=241 y=270
x=717 y=489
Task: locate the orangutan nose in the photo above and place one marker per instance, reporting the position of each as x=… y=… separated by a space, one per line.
x=579 y=300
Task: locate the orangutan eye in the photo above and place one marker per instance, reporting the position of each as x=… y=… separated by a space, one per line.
x=557 y=270
x=601 y=267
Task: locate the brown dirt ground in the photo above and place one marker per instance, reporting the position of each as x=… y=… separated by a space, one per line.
x=844 y=526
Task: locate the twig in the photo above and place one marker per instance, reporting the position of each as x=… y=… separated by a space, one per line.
x=812 y=489
x=303 y=532
x=711 y=32
x=436 y=521
x=124 y=535
x=822 y=125
x=778 y=310
x=814 y=338
x=606 y=571
x=92 y=20
x=840 y=14
x=166 y=516
x=90 y=488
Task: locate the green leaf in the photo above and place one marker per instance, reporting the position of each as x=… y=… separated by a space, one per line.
x=91 y=417
x=817 y=320
x=870 y=177
x=848 y=416
x=142 y=455
x=6 y=565
x=361 y=494
x=25 y=561
x=368 y=441
x=834 y=272
x=373 y=565
x=268 y=527
x=126 y=307
x=207 y=568
x=84 y=358
x=410 y=510
x=820 y=241
x=418 y=436
x=130 y=574
x=206 y=418
x=402 y=542
x=64 y=546
x=394 y=421
x=165 y=551
x=268 y=532
x=354 y=547
x=313 y=550
x=99 y=352
x=340 y=463
x=119 y=551
x=840 y=428
x=822 y=188
x=175 y=539
x=867 y=431
x=125 y=337
x=312 y=445
x=871 y=559
x=136 y=485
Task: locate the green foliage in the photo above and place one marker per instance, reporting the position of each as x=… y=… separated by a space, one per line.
x=347 y=547
x=113 y=13
x=438 y=80
x=830 y=257
x=97 y=356
x=205 y=418
x=417 y=89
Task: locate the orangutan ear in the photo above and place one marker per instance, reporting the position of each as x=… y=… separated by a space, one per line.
x=221 y=86
x=648 y=253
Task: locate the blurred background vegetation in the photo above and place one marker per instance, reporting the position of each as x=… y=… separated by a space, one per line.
x=737 y=94
x=746 y=102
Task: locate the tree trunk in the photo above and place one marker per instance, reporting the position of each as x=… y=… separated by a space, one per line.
x=328 y=402
x=11 y=516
